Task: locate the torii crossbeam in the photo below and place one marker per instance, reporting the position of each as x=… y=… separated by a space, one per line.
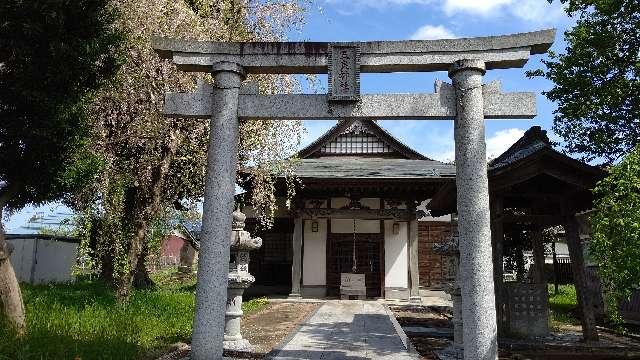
x=466 y=100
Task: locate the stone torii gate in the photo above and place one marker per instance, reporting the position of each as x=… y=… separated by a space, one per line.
x=467 y=101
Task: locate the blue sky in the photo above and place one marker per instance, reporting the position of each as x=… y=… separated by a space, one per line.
x=365 y=20
x=362 y=20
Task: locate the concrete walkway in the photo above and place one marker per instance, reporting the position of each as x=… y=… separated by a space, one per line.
x=349 y=329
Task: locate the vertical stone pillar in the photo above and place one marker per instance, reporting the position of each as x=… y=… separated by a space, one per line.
x=478 y=298
x=296 y=265
x=538 y=256
x=213 y=264
x=414 y=273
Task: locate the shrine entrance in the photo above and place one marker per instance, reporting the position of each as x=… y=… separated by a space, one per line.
x=368 y=259
x=467 y=101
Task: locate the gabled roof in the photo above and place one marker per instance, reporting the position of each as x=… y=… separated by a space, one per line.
x=533 y=140
x=355 y=126
x=534 y=145
x=530 y=160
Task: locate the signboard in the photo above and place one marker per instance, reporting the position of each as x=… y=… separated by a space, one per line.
x=352 y=284
x=344 y=72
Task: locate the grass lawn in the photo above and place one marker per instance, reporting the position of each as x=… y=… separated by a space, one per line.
x=83 y=320
x=562 y=306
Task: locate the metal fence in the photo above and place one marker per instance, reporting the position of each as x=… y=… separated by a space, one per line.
x=564 y=272
x=630 y=309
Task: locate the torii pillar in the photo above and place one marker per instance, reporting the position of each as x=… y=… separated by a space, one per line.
x=474 y=223
x=222 y=160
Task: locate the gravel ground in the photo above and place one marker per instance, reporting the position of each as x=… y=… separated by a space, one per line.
x=264 y=329
x=562 y=345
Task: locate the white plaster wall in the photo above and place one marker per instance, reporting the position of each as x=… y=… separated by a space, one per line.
x=345 y=226
x=396 y=273
x=55 y=261
x=315 y=254
x=22 y=258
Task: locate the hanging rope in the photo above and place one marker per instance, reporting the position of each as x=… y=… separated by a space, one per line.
x=354 y=267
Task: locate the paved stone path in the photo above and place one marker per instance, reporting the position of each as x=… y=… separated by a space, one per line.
x=350 y=329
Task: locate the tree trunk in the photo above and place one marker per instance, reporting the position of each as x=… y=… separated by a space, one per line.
x=141 y=279
x=10 y=294
x=537 y=242
x=106 y=257
x=140 y=227
x=146 y=207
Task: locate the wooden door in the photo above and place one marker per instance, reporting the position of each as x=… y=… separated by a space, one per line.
x=368 y=260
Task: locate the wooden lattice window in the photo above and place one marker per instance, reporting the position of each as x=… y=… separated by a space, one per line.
x=356 y=143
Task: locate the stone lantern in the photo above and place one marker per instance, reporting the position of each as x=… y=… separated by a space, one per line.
x=451 y=250
x=239 y=280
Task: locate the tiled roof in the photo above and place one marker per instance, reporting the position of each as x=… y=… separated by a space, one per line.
x=533 y=140
x=378 y=168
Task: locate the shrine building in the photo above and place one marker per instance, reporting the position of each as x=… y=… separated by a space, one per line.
x=362 y=206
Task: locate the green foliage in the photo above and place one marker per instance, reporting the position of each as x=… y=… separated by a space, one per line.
x=616 y=228
x=53 y=55
x=254 y=305
x=84 y=319
x=562 y=305
x=597 y=79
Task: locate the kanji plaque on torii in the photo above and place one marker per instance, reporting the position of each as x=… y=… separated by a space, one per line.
x=343 y=63
x=466 y=100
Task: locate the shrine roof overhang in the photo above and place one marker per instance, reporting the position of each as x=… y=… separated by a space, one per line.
x=372 y=168
x=498 y=52
x=530 y=176
x=367 y=176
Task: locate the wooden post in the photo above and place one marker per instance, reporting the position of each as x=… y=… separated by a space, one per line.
x=555 y=267
x=296 y=265
x=538 y=255
x=589 y=331
x=497 y=242
x=414 y=292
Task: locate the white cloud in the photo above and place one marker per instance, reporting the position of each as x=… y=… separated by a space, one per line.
x=431 y=32
x=537 y=12
x=498 y=143
x=380 y=3
x=501 y=140
x=483 y=7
